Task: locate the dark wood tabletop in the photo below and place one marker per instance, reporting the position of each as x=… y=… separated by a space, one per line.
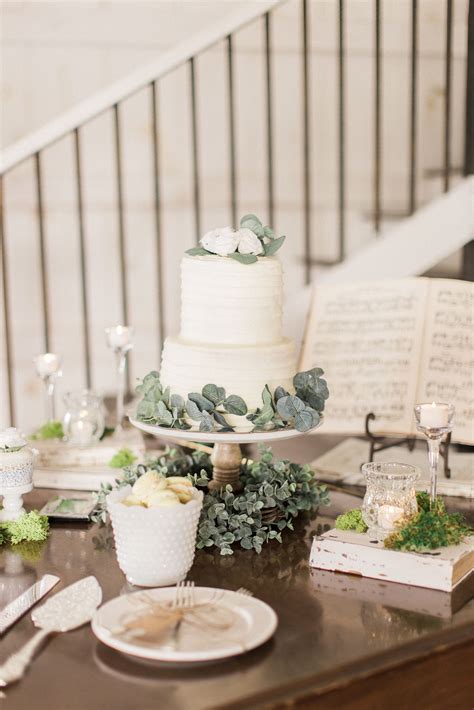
x=342 y=641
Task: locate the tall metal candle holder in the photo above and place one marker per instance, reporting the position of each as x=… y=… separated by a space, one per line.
x=48 y=368
x=120 y=340
x=434 y=420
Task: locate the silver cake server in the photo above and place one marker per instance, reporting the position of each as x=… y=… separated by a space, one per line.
x=13 y=611
x=68 y=609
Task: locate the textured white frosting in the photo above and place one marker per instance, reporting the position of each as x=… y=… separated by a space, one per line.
x=225 y=302
x=186 y=367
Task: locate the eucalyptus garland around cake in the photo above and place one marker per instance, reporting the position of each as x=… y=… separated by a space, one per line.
x=209 y=407
x=244 y=245
x=274 y=494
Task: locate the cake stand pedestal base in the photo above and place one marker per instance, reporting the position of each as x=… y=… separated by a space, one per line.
x=226 y=460
x=226 y=457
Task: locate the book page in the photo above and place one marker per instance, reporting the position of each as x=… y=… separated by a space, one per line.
x=367 y=337
x=447 y=362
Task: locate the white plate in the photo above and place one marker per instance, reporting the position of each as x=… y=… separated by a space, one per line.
x=249 y=622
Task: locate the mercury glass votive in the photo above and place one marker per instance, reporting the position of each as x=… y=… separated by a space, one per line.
x=390 y=496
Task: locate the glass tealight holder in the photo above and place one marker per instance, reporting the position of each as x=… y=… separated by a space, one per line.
x=84 y=421
x=435 y=420
x=390 y=496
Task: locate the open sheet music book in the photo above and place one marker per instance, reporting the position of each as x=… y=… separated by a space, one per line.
x=387 y=345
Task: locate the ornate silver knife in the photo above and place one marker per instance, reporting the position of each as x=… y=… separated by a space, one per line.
x=13 y=611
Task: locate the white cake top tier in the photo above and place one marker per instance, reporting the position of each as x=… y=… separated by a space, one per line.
x=228 y=303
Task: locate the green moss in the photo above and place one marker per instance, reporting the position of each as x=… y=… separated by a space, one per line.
x=430 y=528
x=50 y=430
x=31 y=527
x=123 y=458
x=352 y=520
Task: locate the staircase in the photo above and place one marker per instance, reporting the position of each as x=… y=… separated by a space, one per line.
x=264 y=111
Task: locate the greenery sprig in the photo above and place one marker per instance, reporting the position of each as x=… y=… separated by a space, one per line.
x=50 y=430
x=229 y=519
x=270 y=243
x=301 y=410
x=123 y=457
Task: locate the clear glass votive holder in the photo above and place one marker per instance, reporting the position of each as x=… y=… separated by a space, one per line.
x=390 y=496
x=84 y=420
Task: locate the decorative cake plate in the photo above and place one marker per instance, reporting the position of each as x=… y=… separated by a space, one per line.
x=226 y=455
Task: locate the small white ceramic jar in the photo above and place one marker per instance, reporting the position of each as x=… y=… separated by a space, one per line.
x=155 y=546
x=16 y=459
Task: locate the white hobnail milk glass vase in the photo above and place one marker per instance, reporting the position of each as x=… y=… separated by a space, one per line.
x=155 y=546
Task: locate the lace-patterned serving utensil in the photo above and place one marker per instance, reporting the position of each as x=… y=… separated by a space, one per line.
x=68 y=609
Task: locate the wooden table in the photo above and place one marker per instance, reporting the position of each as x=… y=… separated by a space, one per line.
x=342 y=641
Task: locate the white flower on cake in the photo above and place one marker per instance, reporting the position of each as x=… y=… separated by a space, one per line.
x=222 y=241
x=11 y=439
x=249 y=243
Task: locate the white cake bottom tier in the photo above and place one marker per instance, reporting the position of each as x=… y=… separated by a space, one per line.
x=186 y=367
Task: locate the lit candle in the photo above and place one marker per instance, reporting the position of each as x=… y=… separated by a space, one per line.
x=388 y=515
x=81 y=432
x=47 y=364
x=434 y=415
x=119 y=336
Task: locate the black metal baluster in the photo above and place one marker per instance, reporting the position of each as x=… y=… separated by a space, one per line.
x=44 y=270
x=378 y=122
x=413 y=104
x=6 y=311
x=194 y=128
x=121 y=230
x=306 y=144
x=157 y=199
x=232 y=152
x=447 y=95
x=268 y=81
x=342 y=171
x=82 y=257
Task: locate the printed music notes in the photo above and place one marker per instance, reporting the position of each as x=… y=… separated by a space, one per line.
x=385 y=345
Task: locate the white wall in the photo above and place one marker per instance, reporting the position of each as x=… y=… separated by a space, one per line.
x=54 y=53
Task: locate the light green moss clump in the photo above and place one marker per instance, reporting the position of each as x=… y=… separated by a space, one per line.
x=31 y=527
x=123 y=458
x=352 y=520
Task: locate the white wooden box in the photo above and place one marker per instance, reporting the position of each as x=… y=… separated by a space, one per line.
x=356 y=553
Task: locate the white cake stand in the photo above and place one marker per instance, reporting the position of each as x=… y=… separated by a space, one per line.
x=226 y=457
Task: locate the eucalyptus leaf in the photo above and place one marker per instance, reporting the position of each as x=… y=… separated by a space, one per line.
x=273 y=246
x=269 y=233
x=235 y=405
x=267 y=396
x=288 y=407
x=250 y=221
x=203 y=403
x=243 y=258
x=198 y=251
x=214 y=394
x=177 y=401
x=193 y=410
x=145 y=410
x=206 y=423
x=163 y=414
x=279 y=393
x=306 y=420
x=221 y=420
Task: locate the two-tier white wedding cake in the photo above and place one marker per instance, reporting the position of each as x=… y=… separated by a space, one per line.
x=231 y=329
x=230 y=368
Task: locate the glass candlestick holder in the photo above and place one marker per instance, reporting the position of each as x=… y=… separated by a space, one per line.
x=120 y=340
x=48 y=368
x=434 y=420
x=390 y=496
